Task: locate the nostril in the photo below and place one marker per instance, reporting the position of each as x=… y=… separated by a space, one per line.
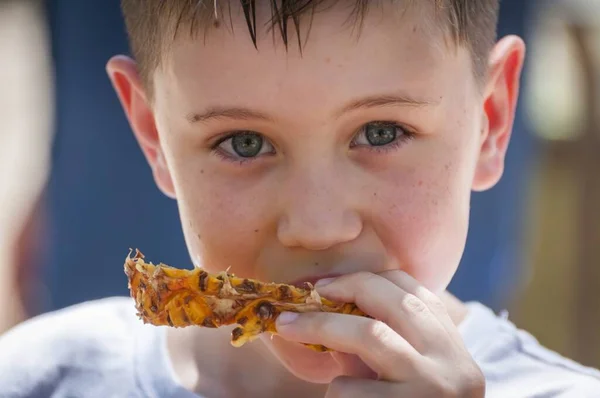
x=319 y=232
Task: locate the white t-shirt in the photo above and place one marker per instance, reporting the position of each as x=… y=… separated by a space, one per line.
x=101 y=349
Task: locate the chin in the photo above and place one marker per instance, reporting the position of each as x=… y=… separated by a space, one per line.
x=302 y=362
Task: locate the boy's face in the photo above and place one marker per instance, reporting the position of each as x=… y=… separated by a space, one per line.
x=361 y=154
x=320 y=198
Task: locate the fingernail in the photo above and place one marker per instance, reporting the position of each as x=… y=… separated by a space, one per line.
x=287 y=318
x=324 y=282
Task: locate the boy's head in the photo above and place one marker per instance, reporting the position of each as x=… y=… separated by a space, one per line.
x=356 y=151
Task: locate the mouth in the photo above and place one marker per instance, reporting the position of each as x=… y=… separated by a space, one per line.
x=309 y=281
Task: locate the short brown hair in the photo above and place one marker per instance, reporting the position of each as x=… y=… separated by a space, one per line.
x=152 y=23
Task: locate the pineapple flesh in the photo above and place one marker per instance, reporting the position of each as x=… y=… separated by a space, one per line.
x=167 y=296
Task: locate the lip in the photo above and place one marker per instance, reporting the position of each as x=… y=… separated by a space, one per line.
x=312 y=279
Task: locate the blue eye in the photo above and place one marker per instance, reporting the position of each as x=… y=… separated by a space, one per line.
x=378 y=134
x=245 y=145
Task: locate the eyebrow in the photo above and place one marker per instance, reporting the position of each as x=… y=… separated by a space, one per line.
x=221 y=112
x=241 y=113
x=380 y=101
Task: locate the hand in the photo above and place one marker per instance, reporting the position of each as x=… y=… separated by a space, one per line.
x=412 y=345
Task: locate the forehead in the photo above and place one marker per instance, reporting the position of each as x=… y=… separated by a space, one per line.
x=390 y=46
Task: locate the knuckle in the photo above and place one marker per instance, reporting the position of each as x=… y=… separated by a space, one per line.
x=376 y=330
x=443 y=387
x=473 y=383
x=466 y=383
x=412 y=304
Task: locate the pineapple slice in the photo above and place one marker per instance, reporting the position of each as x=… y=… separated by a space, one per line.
x=179 y=298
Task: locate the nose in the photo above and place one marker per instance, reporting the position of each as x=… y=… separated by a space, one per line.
x=318 y=213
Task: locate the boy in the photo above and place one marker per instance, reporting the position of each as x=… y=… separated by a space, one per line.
x=337 y=142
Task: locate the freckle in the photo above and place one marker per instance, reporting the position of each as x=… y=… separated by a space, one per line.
x=327 y=60
x=414 y=29
x=201 y=171
x=316 y=263
x=198 y=236
x=256 y=230
x=374 y=193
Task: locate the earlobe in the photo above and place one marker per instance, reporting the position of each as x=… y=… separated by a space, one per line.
x=500 y=101
x=126 y=81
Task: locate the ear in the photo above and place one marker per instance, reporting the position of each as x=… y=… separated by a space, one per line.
x=126 y=81
x=500 y=102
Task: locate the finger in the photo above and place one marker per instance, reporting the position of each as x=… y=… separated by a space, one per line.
x=431 y=300
x=349 y=387
x=352 y=365
x=382 y=299
x=381 y=348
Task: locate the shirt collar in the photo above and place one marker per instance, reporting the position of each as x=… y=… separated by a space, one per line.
x=154 y=370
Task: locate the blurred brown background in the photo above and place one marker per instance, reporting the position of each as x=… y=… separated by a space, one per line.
x=560 y=301
x=557 y=293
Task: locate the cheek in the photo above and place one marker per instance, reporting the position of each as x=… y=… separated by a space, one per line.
x=223 y=224
x=423 y=219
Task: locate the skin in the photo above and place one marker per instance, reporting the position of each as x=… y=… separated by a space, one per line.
x=320 y=200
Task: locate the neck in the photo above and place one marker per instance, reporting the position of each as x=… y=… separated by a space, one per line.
x=214 y=368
